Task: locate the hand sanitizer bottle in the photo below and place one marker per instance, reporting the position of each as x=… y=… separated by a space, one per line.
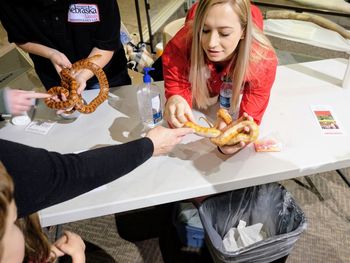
x=149 y=101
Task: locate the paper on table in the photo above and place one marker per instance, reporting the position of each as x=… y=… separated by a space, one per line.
x=40 y=127
x=326 y=119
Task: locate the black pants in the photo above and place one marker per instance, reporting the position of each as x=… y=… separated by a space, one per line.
x=157 y=222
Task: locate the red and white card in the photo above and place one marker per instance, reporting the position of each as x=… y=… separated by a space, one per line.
x=326 y=120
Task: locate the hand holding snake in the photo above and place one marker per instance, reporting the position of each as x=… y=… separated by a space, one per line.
x=59 y=60
x=177 y=111
x=236 y=133
x=66 y=97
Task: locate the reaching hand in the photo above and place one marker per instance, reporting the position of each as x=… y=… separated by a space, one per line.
x=233 y=149
x=165 y=139
x=177 y=111
x=59 y=60
x=72 y=245
x=20 y=101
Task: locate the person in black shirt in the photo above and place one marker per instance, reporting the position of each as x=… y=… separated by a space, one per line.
x=59 y=33
x=44 y=178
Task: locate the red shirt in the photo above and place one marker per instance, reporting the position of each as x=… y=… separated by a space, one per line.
x=176 y=65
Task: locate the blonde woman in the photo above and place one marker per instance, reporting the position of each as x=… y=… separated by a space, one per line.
x=224 y=38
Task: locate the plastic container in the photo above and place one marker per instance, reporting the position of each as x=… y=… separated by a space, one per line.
x=271 y=204
x=189 y=235
x=225 y=93
x=149 y=101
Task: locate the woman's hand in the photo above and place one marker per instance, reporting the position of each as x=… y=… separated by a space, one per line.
x=59 y=60
x=233 y=149
x=165 y=139
x=20 y=101
x=177 y=111
x=72 y=245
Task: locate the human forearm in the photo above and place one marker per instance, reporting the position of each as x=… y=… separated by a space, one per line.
x=58 y=59
x=37 y=49
x=175 y=73
x=101 y=61
x=15 y=101
x=47 y=178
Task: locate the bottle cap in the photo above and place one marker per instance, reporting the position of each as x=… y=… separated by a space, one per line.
x=146 y=77
x=226 y=78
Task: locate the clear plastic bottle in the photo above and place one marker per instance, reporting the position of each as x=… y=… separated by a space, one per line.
x=149 y=101
x=225 y=93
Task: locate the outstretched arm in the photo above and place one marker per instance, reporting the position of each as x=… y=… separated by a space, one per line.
x=58 y=59
x=44 y=178
x=17 y=102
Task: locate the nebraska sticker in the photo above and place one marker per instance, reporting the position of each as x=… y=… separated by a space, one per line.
x=83 y=13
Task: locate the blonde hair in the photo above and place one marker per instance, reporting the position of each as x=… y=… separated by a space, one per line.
x=6 y=197
x=239 y=64
x=37 y=247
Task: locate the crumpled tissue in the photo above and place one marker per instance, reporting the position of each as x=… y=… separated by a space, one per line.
x=242 y=236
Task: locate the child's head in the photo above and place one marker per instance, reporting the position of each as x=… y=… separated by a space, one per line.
x=14 y=245
x=11 y=237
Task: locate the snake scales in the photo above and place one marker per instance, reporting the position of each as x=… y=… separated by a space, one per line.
x=69 y=87
x=232 y=134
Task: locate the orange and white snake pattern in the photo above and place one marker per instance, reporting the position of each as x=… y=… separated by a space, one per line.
x=232 y=134
x=69 y=87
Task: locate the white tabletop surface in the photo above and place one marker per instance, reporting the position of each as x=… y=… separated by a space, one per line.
x=195 y=168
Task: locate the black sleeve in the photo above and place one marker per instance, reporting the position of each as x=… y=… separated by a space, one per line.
x=44 y=178
x=11 y=22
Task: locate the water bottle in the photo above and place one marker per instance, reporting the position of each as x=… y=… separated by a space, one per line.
x=225 y=93
x=149 y=101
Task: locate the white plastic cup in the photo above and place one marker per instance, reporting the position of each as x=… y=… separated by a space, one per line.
x=26 y=117
x=23 y=119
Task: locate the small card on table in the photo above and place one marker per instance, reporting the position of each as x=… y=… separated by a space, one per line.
x=327 y=120
x=40 y=127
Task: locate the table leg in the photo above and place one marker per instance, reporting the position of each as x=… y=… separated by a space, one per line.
x=137 y=7
x=311 y=187
x=149 y=26
x=343 y=176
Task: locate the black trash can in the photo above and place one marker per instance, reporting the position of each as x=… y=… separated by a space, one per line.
x=270 y=204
